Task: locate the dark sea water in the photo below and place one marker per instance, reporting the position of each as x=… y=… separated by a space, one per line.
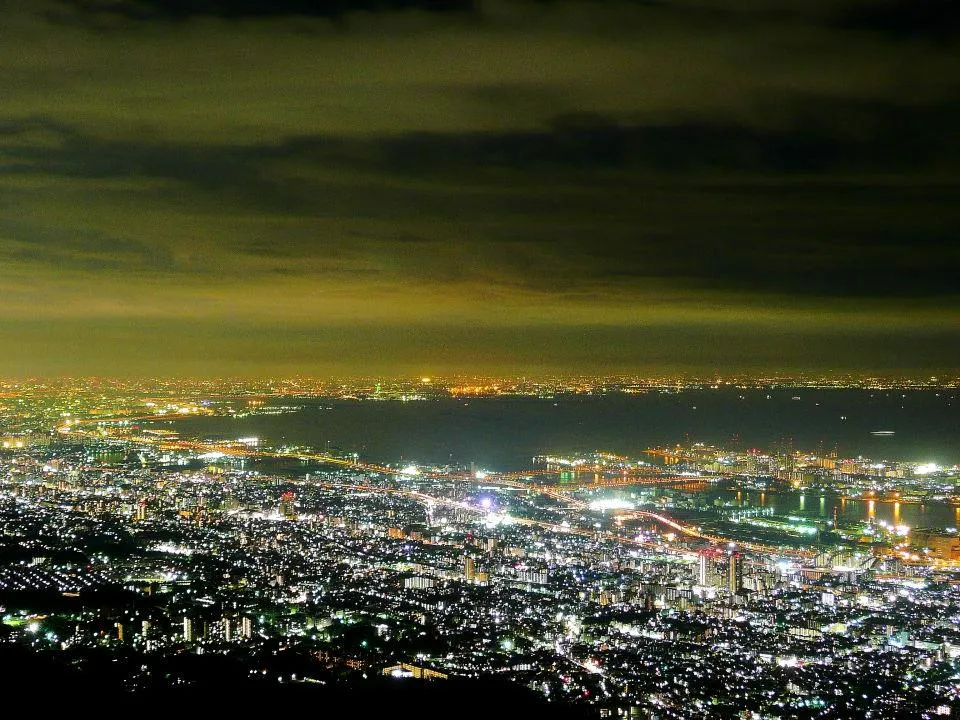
x=816 y=505
x=504 y=433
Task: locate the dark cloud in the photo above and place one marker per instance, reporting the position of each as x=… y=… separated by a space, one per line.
x=937 y=20
x=711 y=181
x=588 y=202
x=902 y=16
x=78 y=249
x=144 y=10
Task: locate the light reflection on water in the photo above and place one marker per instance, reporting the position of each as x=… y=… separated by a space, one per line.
x=505 y=433
x=815 y=505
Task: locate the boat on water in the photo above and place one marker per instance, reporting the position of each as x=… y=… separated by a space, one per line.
x=883 y=433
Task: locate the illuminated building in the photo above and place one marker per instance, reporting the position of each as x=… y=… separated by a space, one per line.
x=703 y=570
x=735 y=573
x=419 y=582
x=403 y=670
x=287 y=509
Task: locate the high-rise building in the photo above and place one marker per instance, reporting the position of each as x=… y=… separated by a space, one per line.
x=246 y=627
x=187 y=629
x=419 y=582
x=703 y=570
x=287 y=508
x=469 y=568
x=534 y=577
x=735 y=573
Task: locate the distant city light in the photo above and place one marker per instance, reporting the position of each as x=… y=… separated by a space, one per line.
x=611 y=504
x=215 y=455
x=474 y=572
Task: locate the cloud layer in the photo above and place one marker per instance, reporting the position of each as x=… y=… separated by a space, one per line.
x=238 y=176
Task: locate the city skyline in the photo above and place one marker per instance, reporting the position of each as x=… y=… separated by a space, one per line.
x=294 y=188
x=156 y=564
x=517 y=358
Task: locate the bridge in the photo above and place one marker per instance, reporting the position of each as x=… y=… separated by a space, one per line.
x=599 y=479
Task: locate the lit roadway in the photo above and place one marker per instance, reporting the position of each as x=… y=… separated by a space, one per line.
x=506 y=480
x=445 y=502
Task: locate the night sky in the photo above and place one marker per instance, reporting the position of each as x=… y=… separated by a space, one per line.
x=238 y=187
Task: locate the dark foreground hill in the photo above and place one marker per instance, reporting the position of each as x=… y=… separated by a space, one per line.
x=48 y=685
